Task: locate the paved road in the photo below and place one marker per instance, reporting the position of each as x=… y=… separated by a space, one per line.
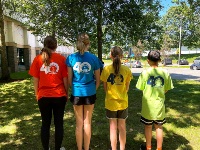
x=176 y=73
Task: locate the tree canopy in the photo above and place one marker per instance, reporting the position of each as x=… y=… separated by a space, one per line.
x=187 y=15
x=122 y=21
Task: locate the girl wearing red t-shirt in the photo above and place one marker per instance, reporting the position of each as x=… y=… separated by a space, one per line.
x=51 y=87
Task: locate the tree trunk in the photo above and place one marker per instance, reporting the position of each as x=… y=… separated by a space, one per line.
x=4 y=63
x=99 y=30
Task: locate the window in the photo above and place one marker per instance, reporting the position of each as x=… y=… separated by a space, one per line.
x=20 y=56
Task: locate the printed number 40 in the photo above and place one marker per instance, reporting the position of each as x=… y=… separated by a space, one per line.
x=152 y=80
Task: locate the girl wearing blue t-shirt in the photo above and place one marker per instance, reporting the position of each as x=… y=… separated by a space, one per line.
x=84 y=79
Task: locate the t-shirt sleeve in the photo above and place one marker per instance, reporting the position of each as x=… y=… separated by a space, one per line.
x=34 y=69
x=68 y=63
x=169 y=84
x=140 y=83
x=130 y=76
x=103 y=76
x=97 y=63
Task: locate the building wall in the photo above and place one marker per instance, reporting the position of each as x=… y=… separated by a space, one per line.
x=17 y=36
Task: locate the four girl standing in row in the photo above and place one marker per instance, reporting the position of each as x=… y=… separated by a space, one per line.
x=51 y=88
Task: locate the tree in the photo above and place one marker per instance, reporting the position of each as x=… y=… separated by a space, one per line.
x=138 y=50
x=4 y=63
x=166 y=45
x=121 y=21
x=187 y=15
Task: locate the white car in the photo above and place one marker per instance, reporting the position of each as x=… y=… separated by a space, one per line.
x=133 y=64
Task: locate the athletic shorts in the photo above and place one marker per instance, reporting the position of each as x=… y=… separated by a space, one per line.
x=85 y=100
x=150 y=122
x=120 y=114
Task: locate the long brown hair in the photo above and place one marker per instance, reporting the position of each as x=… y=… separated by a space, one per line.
x=83 y=43
x=50 y=44
x=116 y=53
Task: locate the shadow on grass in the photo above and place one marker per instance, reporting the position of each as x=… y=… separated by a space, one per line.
x=184 y=100
x=181 y=76
x=20 y=118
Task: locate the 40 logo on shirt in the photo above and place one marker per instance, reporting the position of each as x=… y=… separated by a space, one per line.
x=115 y=79
x=53 y=68
x=84 y=67
x=156 y=81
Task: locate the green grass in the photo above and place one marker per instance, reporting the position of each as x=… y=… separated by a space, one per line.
x=20 y=119
x=20 y=75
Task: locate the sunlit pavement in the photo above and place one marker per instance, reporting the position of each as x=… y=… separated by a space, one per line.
x=174 y=70
x=176 y=73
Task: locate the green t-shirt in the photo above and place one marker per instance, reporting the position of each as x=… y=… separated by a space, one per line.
x=154 y=82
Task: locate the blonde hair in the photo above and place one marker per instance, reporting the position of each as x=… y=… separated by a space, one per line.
x=50 y=44
x=83 y=43
x=116 y=53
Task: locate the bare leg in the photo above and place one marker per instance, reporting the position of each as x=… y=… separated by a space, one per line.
x=122 y=133
x=159 y=135
x=78 y=110
x=148 y=134
x=88 y=110
x=113 y=133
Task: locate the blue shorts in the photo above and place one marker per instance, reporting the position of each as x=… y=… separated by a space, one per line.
x=150 y=122
x=120 y=114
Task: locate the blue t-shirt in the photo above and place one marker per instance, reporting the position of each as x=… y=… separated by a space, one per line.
x=83 y=66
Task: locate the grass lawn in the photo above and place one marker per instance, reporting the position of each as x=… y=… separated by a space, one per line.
x=20 y=119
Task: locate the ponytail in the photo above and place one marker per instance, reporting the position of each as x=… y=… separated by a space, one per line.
x=46 y=55
x=116 y=53
x=116 y=64
x=50 y=45
x=82 y=43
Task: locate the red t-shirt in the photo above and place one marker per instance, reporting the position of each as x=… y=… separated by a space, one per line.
x=50 y=77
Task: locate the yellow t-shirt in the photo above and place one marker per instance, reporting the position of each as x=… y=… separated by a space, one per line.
x=116 y=94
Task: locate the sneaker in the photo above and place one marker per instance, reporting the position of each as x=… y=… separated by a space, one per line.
x=143 y=147
x=62 y=148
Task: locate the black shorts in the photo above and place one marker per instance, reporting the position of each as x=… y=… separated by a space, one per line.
x=120 y=114
x=150 y=122
x=85 y=100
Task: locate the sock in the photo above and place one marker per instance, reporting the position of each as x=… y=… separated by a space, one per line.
x=148 y=147
x=159 y=148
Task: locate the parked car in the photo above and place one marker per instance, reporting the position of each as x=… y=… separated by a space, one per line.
x=133 y=64
x=196 y=60
x=183 y=62
x=195 y=66
x=167 y=61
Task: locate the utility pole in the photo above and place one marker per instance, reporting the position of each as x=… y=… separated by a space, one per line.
x=179 y=56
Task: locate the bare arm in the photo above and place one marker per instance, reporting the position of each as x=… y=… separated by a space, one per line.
x=105 y=86
x=97 y=76
x=69 y=76
x=65 y=81
x=35 y=84
x=127 y=86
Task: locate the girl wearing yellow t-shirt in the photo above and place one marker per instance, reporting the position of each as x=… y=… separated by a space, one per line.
x=116 y=79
